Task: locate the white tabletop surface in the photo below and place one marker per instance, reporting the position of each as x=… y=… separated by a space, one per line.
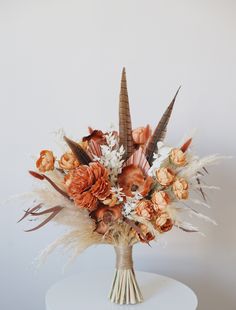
x=89 y=291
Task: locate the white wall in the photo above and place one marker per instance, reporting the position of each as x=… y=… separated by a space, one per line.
x=60 y=64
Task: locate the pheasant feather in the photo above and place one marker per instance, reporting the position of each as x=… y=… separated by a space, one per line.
x=160 y=131
x=125 y=126
x=78 y=151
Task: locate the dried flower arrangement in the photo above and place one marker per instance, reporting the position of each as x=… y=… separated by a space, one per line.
x=119 y=188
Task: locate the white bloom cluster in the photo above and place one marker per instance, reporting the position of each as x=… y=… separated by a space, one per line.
x=117 y=191
x=130 y=204
x=160 y=158
x=112 y=156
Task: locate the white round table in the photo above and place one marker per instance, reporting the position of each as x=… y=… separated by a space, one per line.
x=89 y=291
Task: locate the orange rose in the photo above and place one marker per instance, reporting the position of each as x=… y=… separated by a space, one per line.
x=145 y=209
x=133 y=179
x=163 y=222
x=180 y=188
x=105 y=216
x=68 y=161
x=141 y=135
x=46 y=161
x=160 y=199
x=178 y=157
x=88 y=184
x=165 y=176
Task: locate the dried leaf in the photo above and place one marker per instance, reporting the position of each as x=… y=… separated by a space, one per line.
x=201 y=190
x=125 y=126
x=186 y=145
x=160 y=131
x=137 y=229
x=54 y=211
x=29 y=211
x=78 y=151
x=187 y=230
x=44 y=177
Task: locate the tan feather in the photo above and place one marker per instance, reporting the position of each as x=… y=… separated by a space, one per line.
x=160 y=131
x=78 y=151
x=125 y=126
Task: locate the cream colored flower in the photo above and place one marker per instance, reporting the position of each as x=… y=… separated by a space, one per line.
x=141 y=135
x=178 y=157
x=165 y=176
x=160 y=199
x=68 y=161
x=164 y=222
x=145 y=209
x=111 y=201
x=180 y=188
x=148 y=236
x=45 y=161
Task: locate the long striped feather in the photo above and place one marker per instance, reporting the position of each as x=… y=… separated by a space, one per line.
x=160 y=131
x=125 y=126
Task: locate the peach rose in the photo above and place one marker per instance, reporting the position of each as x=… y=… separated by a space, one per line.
x=163 y=222
x=145 y=209
x=68 y=161
x=146 y=233
x=46 y=161
x=160 y=199
x=178 y=157
x=180 y=188
x=165 y=176
x=141 y=135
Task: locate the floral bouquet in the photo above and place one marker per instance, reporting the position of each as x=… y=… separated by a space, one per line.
x=118 y=188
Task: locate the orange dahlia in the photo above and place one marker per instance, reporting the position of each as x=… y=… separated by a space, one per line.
x=88 y=184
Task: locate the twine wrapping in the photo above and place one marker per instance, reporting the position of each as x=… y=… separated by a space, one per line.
x=125 y=289
x=124 y=257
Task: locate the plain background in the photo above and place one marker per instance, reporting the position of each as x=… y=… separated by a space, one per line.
x=60 y=66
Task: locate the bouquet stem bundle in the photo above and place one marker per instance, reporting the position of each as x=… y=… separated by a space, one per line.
x=125 y=289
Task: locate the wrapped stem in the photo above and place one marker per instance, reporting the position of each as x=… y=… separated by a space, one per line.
x=125 y=289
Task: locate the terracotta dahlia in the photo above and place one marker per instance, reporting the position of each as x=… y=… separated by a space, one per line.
x=87 y=184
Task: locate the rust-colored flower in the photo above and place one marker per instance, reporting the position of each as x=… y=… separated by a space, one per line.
x=180 y=188
x=105 y=216
x=133 y=179
x=68 y=161
x=160 y=200
x=163 y=222
x=46 y=161
x=88 y=184
x=97 y=136
x=165 y=176
x=178 y=157
x=146 y=233
x=145 y=209
x=141 y=135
